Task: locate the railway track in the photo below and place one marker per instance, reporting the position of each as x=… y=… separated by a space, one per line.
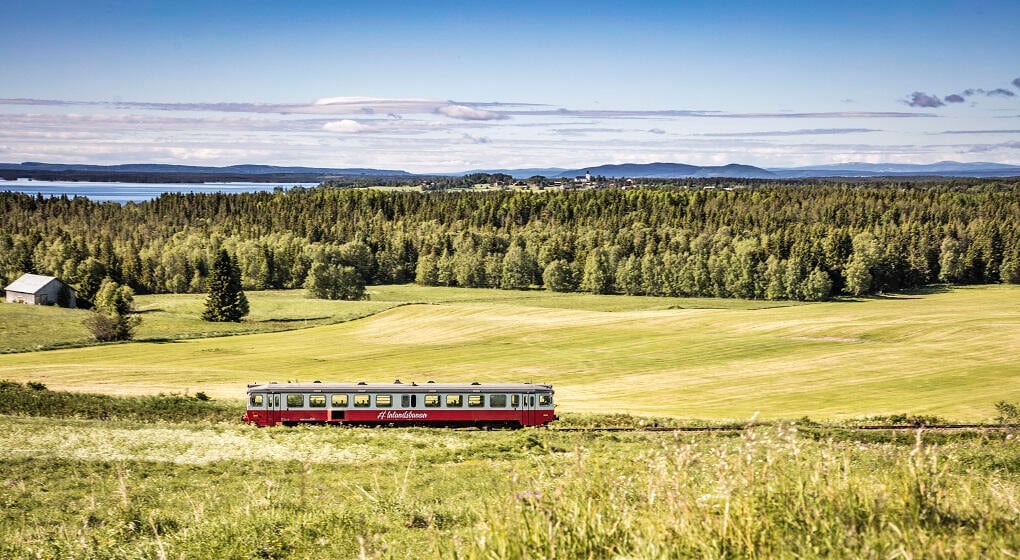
x=860 y=428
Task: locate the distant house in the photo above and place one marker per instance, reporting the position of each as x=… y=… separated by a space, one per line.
x=40 y=290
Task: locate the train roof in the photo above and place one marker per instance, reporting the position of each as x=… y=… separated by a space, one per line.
x=398 y=387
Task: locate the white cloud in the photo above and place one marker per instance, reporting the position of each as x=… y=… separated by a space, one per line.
x=347 y=126
x=369 y=101
x=465 y=113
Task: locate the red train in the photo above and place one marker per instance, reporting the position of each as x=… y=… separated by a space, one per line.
x=484 y=405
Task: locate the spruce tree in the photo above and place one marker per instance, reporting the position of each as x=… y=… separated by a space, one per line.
x=226 y=301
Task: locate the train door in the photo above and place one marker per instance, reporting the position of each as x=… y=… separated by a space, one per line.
x=272 y=409
x=528 y=410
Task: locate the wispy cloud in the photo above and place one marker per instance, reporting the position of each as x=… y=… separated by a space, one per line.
x=1002 y=92
x=954 y=98
x=980 y=132
x=422 y=134
x=832 y=115
x=468 y=111
x=611 y=113
x=322 y=106
x=585 y=131
x=800 y=132
x=984 y=148
x=1016 y=83
x=469 y=139
x=683 y=113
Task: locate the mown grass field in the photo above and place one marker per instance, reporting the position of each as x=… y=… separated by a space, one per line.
x=176 y=316
x=948 y=353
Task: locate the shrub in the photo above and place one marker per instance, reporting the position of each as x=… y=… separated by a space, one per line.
x=1009 y=413
x=31 y=400
x=110 y=327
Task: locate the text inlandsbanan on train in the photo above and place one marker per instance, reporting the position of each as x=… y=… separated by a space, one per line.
x=482 y=405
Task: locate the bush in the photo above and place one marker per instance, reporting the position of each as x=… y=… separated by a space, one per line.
x=1009 y=413
x=34 y=399
x=110 y=327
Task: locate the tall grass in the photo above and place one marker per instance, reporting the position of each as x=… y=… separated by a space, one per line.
x=769 y=495
x=116 y=489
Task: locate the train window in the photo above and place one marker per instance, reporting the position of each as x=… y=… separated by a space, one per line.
x=497 y=401
x=475 y=401
x=431 y=400
x=407 y=401
x=317 y=401
x=384 y=401
x=515 y=401
x=362 y=401
x=276 y=401
x=256 y=400
x=454 y=401
x=545 y=400
x=295 y=401
x=339 y=401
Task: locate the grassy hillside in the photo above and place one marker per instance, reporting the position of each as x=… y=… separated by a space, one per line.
x=949 y=353
x=176 y=316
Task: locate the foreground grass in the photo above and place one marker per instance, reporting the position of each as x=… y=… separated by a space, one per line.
x=951 y=354
x=114 y=489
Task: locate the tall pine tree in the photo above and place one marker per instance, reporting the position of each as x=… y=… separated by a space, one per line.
x=226 y=301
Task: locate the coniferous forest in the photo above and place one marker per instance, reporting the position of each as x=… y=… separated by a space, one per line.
x=802 y=241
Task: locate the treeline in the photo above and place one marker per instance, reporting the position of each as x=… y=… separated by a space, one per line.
x=772 y=241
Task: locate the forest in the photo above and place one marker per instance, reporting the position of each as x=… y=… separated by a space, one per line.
x=756 y=240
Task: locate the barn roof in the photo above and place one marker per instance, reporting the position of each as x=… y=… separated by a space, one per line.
x=29 y=283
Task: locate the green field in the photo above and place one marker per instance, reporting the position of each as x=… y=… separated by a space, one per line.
x=176 y=316
x=950 y=353
x=94 y=489
x=98 y=477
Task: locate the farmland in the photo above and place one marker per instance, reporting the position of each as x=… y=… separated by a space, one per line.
x=946 y=352
x=138 y=483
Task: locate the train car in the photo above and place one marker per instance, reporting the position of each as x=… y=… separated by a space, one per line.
x=484 y=405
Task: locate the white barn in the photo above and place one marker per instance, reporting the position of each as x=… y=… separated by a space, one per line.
x=39 y=290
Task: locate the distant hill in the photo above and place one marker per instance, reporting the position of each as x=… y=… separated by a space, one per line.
x=670 y=171
x=168 y=173
x=738 y=171
x=938 y=169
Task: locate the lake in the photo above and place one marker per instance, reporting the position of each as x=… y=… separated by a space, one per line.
x=134 y=192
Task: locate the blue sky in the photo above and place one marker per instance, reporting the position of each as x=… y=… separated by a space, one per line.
x=450 y=86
